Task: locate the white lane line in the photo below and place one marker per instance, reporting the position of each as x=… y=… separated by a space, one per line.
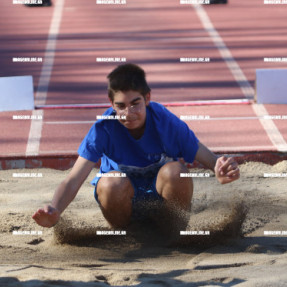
x=69 y=122
x=270 y=128
x=225 y=118
x=33 y=144
x=184 y=119
x=225 y=53
x=47 y=67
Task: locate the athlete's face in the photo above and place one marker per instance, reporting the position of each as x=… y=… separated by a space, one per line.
x=132 y=105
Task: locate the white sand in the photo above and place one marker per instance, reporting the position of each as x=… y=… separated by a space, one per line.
x=143 y=257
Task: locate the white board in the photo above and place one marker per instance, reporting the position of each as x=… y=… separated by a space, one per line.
x=271 y=86
x=16 y=93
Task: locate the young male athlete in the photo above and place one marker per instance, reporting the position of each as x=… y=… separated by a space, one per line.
x=144 y=142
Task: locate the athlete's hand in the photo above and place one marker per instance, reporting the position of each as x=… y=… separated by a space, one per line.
x=226 y=170
x=47 y=216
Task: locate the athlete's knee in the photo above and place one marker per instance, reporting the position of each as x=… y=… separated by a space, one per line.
x=172 y=171
x=114 y=190
x=171 y=185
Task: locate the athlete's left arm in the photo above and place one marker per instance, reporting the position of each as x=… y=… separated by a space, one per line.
x=225 y=168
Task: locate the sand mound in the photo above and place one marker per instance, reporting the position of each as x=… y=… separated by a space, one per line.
x=280 y=166
x=257 y=169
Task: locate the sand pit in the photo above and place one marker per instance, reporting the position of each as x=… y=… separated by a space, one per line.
x=232 y=246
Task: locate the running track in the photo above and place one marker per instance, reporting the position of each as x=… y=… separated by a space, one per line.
x=71 y=35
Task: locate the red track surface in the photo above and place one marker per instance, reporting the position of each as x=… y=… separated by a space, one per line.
x=155 y=35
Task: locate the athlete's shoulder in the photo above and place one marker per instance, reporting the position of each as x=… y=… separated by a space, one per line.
x=158 y=109
x=156 y=106
x=102 y=125
x=161 y=113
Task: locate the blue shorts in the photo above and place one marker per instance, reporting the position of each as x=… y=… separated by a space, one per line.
x=145 y=194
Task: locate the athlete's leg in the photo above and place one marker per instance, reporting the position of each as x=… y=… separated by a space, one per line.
x=176 y=192
x=174 y=189
x=115 y=197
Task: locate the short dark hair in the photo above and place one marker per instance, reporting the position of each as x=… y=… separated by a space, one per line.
x=127 y=77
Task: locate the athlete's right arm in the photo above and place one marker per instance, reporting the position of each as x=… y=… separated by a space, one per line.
x=65 y=193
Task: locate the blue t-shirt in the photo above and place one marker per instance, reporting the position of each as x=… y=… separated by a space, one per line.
x=165 y=139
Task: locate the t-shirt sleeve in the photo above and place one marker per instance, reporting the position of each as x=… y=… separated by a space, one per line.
x=178 y=139
x=187 y=141
x=92 y=146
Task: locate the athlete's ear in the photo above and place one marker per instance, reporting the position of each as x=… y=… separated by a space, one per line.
x=147 y=98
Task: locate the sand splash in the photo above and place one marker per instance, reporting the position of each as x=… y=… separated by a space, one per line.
x=219 y=222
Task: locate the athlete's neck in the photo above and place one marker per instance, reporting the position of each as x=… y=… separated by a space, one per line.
x=137 y=133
